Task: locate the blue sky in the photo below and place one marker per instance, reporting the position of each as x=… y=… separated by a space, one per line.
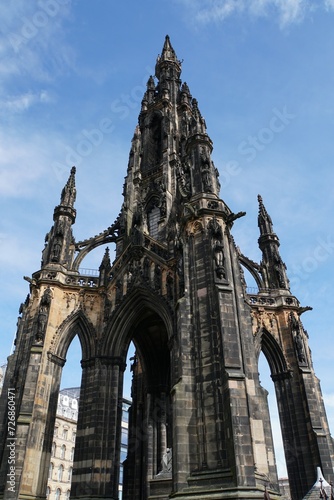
x=72 y=75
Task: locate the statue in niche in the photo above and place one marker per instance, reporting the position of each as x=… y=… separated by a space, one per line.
x=161 y=188
x=278 y=266
x=300 y=349
x=206 y=171
x=217 y=178
x=166 y=463
x=43 y=314
x=216 y=233
x=183 y=174
x=56 y=250
x=299 y=344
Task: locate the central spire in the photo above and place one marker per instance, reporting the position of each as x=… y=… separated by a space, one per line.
x=170 y=159
x=167 y=57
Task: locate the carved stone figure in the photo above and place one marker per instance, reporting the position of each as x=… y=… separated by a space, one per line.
x=43 y=314
x=216 y=233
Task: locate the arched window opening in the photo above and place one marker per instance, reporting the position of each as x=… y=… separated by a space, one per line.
x=60 y=472
x=57 y=494
x=268 y=385
x=153 y=155
x=153 y=221
x=50 y=470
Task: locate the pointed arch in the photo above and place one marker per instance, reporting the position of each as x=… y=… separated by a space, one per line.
x=75 y=324
x=138 y=304
x=274 y=355
x=253 y=269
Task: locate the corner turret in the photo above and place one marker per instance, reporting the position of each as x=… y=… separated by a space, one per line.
x=59 y=247
x=272 y=267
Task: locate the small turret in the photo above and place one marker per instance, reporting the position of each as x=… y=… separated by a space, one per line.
x=105 y=268
x=273 y=269
x=59 y=246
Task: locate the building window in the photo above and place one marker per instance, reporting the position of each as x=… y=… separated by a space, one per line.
x=72 y=455
x=69 y=477
x=47 y=492
x=56 y=431
x=125 y=415
x=65 y=434
x=124 y=437
x=50 y=470
x=60 y=472
x=62 y=451
x=74 y=435
x=68 y=492
x=53 y=449
x=153 y=221
x=123 y=453
x=57 y=494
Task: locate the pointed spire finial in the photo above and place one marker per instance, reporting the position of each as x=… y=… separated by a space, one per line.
x=273 y=268
x=264 y=219
x=167 y=57
x=68 y=194
x=105 y=268
x=105 y=260
x=168 y=53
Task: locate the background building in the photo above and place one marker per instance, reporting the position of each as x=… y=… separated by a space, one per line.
x=62 y=451
x=63 y=445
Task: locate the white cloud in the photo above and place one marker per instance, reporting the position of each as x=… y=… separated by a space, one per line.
x=33 y=39
x=329 y=4
x=218 y=11
x=329 y=400
x=285 y=11
x=17 y=104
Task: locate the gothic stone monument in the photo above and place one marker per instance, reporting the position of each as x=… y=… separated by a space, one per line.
x=199 y=426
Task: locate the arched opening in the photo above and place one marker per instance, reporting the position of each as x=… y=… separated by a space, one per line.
x=91 y=262
x=65 y=427
x=149 y=426
x=274 y=378
x=268 y=384
x=252 y=279
x=126 y=406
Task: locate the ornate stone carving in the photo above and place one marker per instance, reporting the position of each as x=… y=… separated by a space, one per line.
x=43 y=314
x=216 y=234
x=298 y=340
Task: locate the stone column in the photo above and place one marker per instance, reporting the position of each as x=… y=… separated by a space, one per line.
x=97 y=451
